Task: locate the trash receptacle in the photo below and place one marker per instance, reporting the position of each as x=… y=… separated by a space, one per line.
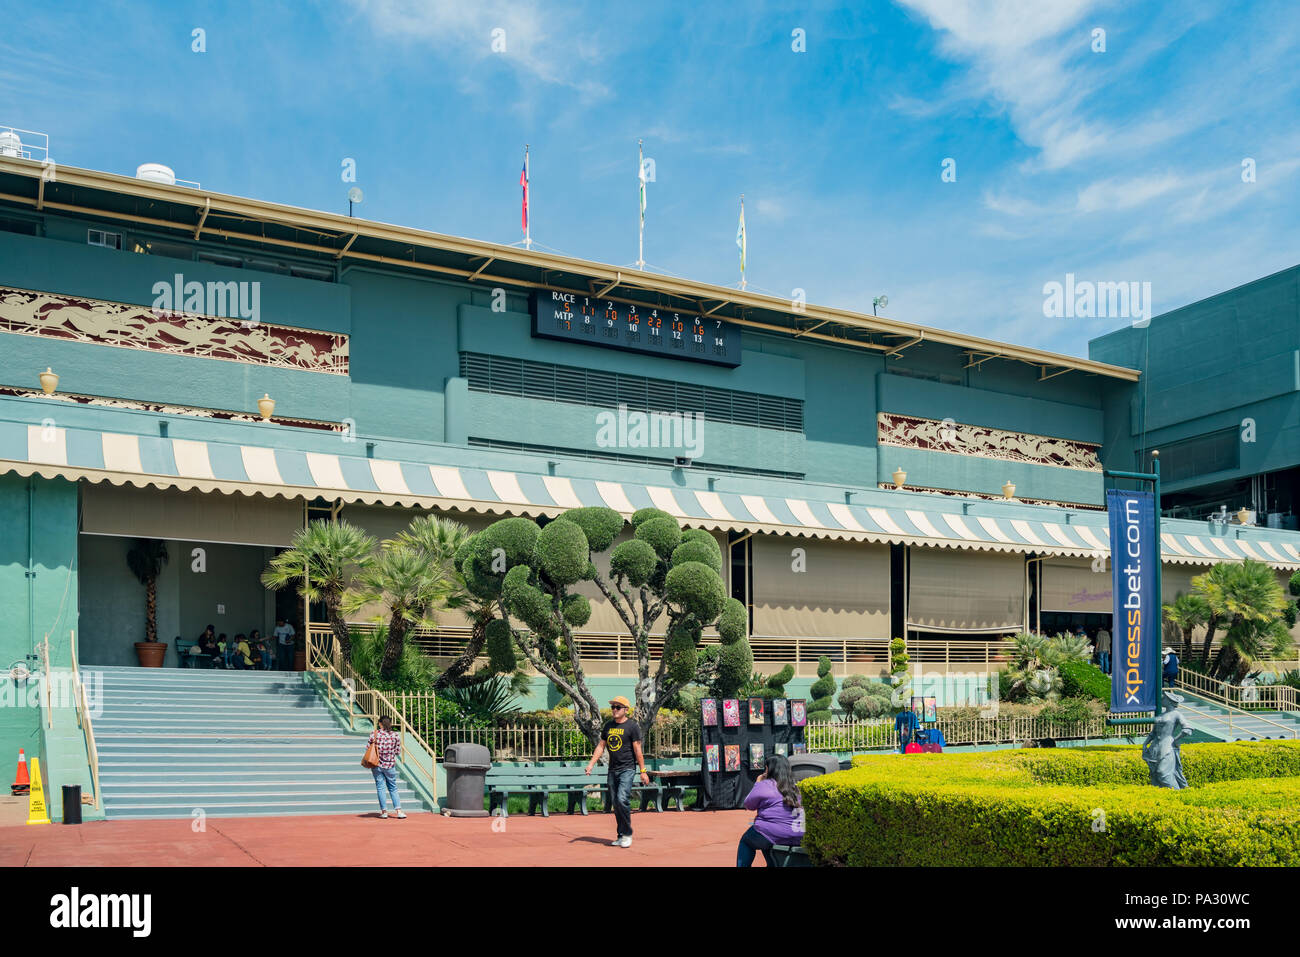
x=467 y=766
x=72 y=804
x=811 y=765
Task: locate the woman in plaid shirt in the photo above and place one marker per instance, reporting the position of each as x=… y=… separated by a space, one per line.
x=389 y=745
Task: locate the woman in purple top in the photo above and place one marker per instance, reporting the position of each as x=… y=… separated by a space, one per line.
x=780 y=812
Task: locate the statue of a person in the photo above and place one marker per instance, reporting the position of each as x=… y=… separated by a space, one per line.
x=1160 y=750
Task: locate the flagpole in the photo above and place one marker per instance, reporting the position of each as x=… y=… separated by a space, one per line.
x=640 y=175
x=528 y=220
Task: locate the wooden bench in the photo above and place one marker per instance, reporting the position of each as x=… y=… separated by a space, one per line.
x=185 y=659
x=538 y=783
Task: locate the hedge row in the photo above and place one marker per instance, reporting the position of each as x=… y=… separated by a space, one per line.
x=1069 y=807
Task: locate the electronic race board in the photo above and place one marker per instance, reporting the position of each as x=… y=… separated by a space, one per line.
x=619 y=325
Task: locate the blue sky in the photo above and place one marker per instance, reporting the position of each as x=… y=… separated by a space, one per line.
x=1122 y=165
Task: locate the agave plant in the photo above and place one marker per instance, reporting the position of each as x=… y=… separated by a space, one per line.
x=486 y=701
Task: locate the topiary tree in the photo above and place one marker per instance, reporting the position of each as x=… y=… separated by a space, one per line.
x=822 y=692
x=899 y=677
x=761 y=686
x=527 y=574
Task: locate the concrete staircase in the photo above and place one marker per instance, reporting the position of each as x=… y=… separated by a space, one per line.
x=1211 y=719
x=233 y=743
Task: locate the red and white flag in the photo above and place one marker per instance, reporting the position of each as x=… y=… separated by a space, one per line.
x=523 y=181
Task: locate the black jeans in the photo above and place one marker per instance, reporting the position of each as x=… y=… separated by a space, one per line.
x=750 y=842
x=620 y=796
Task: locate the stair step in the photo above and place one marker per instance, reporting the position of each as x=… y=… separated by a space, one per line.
x=234 y=744
x=250 y=792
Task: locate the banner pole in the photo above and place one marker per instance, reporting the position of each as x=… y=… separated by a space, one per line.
x=1160 y=599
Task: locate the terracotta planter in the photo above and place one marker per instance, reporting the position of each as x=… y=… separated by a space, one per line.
x=151 y=653
x=300 y=661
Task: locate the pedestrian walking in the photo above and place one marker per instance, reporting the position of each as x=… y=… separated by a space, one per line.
x=1103 y=649
x=621 y=737
x=388 y=744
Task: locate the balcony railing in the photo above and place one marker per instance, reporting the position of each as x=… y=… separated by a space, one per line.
x=615 y=654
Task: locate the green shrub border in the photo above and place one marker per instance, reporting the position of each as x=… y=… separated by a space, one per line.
x=1075 y=807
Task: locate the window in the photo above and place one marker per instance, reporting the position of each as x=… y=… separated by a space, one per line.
x=1203 y=455
x=98 y=237
x=502 y=375
x=24 y=226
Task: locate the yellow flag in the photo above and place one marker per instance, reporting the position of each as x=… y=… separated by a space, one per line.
x=36 y=813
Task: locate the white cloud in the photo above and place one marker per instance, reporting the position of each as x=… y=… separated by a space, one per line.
x=536 y=44
x=1111 y=195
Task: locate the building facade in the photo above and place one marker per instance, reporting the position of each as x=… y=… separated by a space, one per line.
x=228 y=369
x=1220 y=400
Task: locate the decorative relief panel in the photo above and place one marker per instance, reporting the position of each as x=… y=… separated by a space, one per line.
x=139 y=327
x=947 y=436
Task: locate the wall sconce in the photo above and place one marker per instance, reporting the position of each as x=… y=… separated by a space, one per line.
x=49 y=381
x=266 y=406
x=1008 y=490
x=899 y=478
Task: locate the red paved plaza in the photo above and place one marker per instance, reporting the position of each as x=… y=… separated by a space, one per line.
x=686 y=839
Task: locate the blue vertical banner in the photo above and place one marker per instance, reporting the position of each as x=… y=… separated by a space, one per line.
x=1134 y=552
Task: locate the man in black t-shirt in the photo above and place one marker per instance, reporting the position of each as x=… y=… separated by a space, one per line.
x=621 y=737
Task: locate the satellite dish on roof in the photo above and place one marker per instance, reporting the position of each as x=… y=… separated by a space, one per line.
x=355 y=195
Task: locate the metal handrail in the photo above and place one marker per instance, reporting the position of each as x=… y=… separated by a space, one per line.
x=83 y=719
x=353 y=692
x=45 y=681
x=1201 y=685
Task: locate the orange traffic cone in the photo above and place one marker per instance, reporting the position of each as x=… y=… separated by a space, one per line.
x=22 y=783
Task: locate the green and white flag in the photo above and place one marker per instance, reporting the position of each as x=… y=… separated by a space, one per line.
x=640 y=175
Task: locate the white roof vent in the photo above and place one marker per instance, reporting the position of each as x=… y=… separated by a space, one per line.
x=11 y=144
x=156 y=173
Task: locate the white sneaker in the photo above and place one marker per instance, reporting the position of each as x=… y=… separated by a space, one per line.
x=625 y=841
x=383 y=814
x=400 y=813
x=617 y=842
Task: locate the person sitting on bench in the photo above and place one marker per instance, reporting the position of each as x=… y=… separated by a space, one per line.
x=780 y=812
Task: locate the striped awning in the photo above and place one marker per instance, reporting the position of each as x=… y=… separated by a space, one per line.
x=880 y=516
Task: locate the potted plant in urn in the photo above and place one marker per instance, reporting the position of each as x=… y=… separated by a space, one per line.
x=146 y=560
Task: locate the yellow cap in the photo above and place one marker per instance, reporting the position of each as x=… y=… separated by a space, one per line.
x=621 y=700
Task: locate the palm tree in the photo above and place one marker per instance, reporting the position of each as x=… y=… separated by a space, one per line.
x=1187 y=613
x=146 y=560
x=1249 y=599
x=408 y=584
x=1213 y=582
x=440 y=539
x=322 y=560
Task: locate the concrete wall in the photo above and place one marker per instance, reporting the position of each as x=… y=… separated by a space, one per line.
x=38 y=531
x=1210 y=366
